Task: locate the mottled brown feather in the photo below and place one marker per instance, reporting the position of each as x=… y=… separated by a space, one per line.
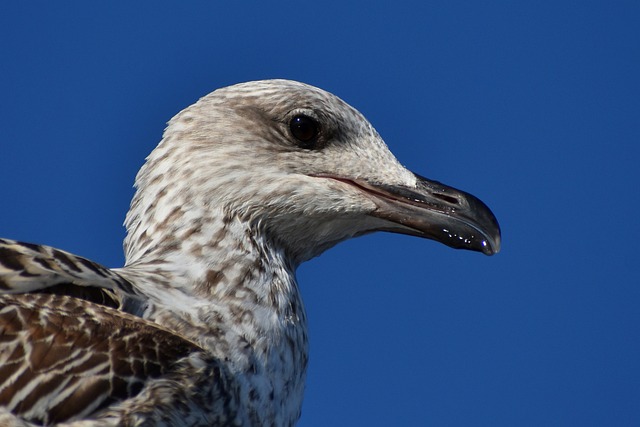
x=45 y=339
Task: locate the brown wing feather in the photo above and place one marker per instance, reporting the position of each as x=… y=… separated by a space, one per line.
x=63 y=358
x=26 y=267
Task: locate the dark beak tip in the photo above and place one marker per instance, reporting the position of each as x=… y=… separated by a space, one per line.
x=487 y=245
x=493 y=245
x=492 y=241
x=490 y=249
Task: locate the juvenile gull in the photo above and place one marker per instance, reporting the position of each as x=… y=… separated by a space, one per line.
x=204 y=325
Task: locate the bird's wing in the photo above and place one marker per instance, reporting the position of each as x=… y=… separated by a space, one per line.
x=69 y=348
x=26 y=267
x=66 y=358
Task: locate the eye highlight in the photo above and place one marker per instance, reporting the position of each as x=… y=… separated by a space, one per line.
x=305 y=129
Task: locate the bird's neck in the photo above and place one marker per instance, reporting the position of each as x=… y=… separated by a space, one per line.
x=232 y=291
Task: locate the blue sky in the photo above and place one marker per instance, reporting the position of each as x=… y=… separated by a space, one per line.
x=532 y=106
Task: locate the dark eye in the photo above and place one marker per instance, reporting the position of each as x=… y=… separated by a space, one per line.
x=305 y=129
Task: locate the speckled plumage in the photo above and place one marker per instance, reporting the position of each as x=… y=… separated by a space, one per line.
x=204 y=325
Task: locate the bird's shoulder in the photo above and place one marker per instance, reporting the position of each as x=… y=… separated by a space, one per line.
x=68 y=350
x=62 y=357
x=31 y=268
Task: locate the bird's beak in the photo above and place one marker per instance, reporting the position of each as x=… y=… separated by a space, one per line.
x=434 y=211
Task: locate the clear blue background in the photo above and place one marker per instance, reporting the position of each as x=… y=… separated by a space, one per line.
x=532 y=106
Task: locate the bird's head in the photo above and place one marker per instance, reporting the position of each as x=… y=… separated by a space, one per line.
x=300 y=164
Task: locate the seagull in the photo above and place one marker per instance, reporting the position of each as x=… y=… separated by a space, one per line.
x=204 y=325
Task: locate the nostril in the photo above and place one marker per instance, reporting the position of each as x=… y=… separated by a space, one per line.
x=449 y=199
